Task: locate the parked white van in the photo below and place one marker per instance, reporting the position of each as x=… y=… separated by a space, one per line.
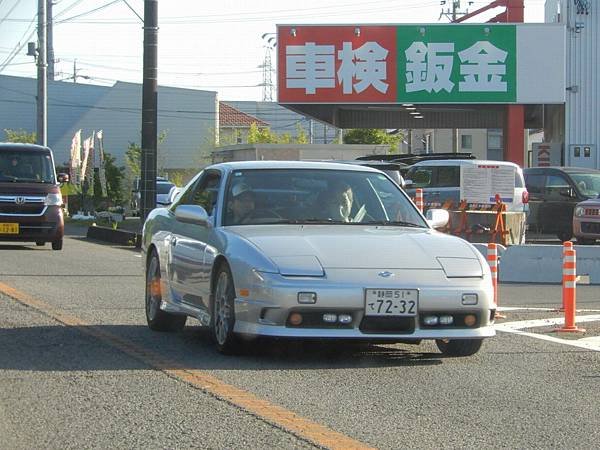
x=473 y=180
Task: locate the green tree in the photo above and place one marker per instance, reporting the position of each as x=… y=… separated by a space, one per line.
x=20 y=136
x=264 y=135
x=114 y=187
x=133 y=156
x=372 y=136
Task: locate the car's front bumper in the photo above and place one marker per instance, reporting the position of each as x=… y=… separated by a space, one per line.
x=47 y=227
x=586 y=227
x=267 y=309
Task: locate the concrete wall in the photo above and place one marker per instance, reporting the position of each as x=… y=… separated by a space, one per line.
x=295 y=152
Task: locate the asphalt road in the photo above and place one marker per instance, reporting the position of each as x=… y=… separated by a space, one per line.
x=80 y=369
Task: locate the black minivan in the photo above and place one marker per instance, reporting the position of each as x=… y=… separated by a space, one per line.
x=553 y=194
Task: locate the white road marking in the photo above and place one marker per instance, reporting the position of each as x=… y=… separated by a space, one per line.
x=519 y=325
x=590 y=343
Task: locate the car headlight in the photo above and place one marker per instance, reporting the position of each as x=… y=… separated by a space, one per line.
x=53 y=200
x=579 y=211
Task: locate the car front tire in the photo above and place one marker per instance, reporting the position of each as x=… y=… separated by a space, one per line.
x=564 y=235
x=223 y=313
x=459 y=347
x=157 y=319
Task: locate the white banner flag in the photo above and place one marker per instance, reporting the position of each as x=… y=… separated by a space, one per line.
x=102 y=170
x=75 y=169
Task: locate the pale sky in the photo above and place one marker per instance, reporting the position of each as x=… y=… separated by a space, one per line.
x=207 y=45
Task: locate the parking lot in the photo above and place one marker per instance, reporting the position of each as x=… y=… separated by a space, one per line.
x=79 y=368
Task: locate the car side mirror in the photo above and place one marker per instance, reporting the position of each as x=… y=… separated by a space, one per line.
x=62 y=178
x=437 y=218
x=191 y=214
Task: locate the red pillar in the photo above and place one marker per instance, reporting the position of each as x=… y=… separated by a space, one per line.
x=514 y=128
x=514 y=134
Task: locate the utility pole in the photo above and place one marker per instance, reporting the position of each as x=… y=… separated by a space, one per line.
x=50 y=46
x=42 y=82
x=149 y=108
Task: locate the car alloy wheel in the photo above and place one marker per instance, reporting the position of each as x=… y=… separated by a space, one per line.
x=223 y=313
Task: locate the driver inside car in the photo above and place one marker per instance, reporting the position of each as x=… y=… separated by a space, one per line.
x=242 y=204
x=337 y=202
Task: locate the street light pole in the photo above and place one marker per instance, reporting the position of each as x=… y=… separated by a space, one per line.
x=149 y=109
x=42 y=101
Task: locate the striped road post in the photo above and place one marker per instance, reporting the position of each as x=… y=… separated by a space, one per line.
x=419 y=199
x=492 y=259
x=569 y=282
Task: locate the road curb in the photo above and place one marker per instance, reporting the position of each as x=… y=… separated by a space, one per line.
x=110 y=235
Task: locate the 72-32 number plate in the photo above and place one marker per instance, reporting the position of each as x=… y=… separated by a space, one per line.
x=391 y=302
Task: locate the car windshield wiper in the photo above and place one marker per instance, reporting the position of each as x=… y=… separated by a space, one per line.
x=311 y=221
x=395 y=222
x=8 y=177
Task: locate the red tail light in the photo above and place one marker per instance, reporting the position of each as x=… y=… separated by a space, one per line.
x=525 y=197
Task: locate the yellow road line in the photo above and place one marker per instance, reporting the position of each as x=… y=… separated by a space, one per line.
x=276 y=415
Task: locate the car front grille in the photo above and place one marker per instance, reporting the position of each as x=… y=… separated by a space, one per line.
x=590 y=227
x=387 y=325
x=28 y=209
x=11 y=205
x=592 y=212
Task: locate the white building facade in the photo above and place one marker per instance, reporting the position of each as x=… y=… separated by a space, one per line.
x=581 y=115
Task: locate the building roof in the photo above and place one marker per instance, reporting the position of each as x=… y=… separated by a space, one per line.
x=230 y=117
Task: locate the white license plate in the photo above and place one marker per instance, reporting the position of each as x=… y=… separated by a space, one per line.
x=391 y=302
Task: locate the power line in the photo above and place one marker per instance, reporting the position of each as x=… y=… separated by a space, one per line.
x=9 y=12
x=99 y=8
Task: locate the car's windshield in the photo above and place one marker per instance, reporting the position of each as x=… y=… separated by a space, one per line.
x=316 y=196
x=587 y=183
x=26 y=167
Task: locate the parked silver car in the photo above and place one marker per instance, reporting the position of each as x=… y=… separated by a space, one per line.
x=312 y=250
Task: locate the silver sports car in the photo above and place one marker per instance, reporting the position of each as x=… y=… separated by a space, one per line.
x=312 y=250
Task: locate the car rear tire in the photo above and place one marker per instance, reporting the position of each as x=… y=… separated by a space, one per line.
x=40 y=243
x=459 y=347
x=157 y=319
x=57 y=245
x=223 y=313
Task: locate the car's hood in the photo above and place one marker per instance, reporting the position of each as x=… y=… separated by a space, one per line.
x=593 y=202
x=41 y=189
x=356 y=247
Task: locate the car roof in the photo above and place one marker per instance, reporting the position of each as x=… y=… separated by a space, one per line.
x=565 y=169
x=412 y=158
x=380 y=165
x=317 y=165
x=18 y=146
x=463 y=162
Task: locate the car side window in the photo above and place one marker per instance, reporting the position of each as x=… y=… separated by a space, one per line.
x=554 y=185
x=204 y=193
x=448 y=176
x=421 y=177
x=534 y=183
